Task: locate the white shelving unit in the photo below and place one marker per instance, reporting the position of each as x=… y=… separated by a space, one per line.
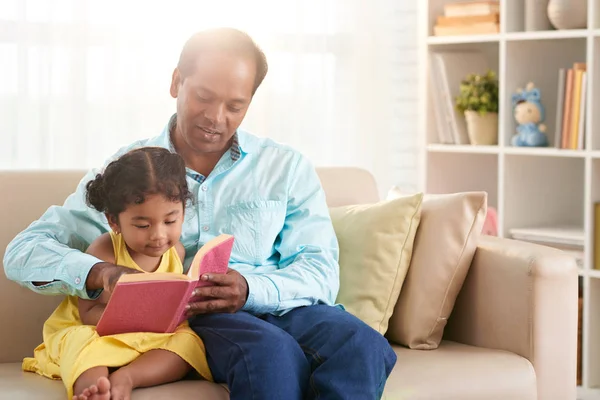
x=527 y=186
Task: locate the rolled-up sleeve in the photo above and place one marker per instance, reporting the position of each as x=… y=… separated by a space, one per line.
x=52 y=249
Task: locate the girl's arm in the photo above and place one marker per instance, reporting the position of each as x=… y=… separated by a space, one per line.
x=90 y=311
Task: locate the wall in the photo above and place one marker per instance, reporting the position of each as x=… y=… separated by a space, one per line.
x=405 y=121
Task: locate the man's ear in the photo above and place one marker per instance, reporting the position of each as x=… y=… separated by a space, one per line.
x=175 y=82
x=113 y=223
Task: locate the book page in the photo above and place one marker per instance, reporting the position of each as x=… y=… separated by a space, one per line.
x=153 y=276
x=212 y=257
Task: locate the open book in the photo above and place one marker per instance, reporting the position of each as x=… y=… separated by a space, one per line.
x=155 y=302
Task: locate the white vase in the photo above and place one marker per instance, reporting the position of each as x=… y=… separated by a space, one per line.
x=482 y=129
x=536 y=15
x=568 y=14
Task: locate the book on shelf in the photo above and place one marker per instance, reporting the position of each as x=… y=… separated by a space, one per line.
x=570 y=239
x=155 y=302
x=571 y=107
x=447 y=70
x=468 y=18
x=565 y=235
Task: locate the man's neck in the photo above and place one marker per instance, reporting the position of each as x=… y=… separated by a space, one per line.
x=202 y=163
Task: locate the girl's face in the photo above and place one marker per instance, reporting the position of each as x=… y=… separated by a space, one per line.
x=150 y=228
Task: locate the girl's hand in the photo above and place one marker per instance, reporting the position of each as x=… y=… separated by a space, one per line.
x=105 y=276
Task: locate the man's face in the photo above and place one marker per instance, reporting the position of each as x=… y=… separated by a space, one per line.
x=213 y=100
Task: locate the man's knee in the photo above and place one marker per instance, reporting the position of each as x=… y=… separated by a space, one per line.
x=246 y=334
x=251 y=349
x=275 y=343
x=368 y=345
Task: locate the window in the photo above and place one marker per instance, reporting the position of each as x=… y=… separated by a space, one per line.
x=81 y=78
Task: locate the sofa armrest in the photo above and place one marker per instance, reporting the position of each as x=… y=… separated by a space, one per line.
x=521 y=297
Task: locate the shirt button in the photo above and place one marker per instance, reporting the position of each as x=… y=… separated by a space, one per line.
x=77 y=281
x=204 y=188
x=205 y=228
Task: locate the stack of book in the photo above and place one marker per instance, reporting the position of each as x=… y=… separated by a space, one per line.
x=570 y=107
x=468 y=18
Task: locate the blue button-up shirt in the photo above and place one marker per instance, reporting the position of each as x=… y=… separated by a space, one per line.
x=265 y=194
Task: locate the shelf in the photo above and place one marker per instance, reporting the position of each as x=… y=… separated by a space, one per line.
x=594 y=88
x=477 y=172
x=594 y=198
x=553 y=236
x=539 y=61
x=594 y=273
x=544 y=152
x=587 y=394
x=441 y=40
x=454 y=148
x=547 y=35
x=532 y=187
x=514 y=36
x=593 y=332
x=522 y=151
x=543 y=191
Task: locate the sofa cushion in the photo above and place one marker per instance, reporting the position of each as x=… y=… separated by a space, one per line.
x=456 y=371
x=376 y=242
x=444 y=247
x=16 y=384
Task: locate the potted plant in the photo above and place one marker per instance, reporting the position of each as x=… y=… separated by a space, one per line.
x=478 y=100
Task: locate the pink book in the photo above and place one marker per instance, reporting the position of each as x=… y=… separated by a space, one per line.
x=155 y=302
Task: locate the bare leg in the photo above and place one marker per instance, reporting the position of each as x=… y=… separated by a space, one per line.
x=150 y=369
x=93 y=384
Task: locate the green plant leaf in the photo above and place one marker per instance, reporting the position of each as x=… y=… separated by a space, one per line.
x=478 y=93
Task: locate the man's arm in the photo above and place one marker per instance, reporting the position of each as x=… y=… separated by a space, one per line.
x=308 y=271
x=48 y=256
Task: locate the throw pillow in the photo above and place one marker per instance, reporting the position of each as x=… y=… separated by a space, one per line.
x=376 y=242
x=444 y=247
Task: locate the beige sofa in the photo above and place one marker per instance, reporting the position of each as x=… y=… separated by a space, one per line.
x=512 y=334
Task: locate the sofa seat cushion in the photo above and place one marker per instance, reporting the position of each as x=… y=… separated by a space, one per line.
x=16 y=384
x=456 y=371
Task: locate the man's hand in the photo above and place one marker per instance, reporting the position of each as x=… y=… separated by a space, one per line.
x=228 y=295
x=105 y=276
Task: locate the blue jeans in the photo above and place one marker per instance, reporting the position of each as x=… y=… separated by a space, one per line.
x=316 y=352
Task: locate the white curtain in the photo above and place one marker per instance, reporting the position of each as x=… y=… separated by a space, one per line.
x=80 y=78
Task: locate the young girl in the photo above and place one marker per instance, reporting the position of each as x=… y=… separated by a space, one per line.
x=142 y=194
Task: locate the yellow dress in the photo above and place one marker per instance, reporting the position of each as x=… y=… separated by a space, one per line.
x=70 y=348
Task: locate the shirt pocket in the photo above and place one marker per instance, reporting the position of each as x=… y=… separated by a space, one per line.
x=255 y=226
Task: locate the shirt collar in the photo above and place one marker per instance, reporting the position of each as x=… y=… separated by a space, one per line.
x=236 y=148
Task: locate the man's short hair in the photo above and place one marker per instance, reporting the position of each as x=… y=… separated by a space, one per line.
x=222 y=39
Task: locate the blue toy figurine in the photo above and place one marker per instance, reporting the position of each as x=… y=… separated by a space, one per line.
x=529 y=114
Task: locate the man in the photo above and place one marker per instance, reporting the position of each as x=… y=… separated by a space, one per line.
x=271 y=328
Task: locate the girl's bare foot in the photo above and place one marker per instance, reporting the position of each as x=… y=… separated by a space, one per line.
x=92 y=384
x=121 y=385
x=98 y=391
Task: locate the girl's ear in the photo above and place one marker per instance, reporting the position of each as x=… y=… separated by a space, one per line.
x=113 y=223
